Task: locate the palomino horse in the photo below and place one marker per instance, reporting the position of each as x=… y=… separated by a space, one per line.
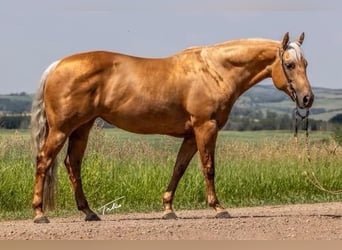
x=187 y=95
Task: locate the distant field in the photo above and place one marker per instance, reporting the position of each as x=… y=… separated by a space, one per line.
x=252 y=168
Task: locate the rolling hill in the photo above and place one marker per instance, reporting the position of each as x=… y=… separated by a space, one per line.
x=327 y=104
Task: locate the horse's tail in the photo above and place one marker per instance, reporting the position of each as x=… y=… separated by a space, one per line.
x=39 y=130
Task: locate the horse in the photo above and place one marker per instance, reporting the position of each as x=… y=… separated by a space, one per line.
x=187 y=95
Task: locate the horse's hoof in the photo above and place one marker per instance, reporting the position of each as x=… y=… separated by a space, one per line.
x=169 y=216
x=92 y=217
x=222 y=215
x=41 y=220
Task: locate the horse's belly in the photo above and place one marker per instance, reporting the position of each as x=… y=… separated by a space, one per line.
x=171 y=123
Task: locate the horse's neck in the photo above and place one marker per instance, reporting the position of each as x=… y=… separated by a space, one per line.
x=242 y=64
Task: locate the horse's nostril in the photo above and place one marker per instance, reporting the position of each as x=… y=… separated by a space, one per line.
x=307 y=100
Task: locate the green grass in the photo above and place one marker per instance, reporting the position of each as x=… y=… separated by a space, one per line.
x=252 y=168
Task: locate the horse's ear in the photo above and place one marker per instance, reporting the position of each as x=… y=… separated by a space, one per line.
x=301 y=38
x=285 y=41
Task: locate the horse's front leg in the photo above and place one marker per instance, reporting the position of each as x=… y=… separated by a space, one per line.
x=185 y=154
x=206 y=135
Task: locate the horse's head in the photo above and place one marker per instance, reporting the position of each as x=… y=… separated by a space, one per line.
x=289 y=72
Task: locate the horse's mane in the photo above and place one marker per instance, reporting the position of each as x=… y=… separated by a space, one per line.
x=231 y=43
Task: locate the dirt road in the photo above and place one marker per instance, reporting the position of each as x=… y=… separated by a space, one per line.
x=310 y=221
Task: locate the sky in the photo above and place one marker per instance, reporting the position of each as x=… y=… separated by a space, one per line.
x=37 y=32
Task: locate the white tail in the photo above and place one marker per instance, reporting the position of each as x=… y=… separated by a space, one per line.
x=39 y=130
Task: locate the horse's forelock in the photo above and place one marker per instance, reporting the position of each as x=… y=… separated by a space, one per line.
x=295 y=51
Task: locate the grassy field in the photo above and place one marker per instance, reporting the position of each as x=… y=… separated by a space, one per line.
x=252 y=168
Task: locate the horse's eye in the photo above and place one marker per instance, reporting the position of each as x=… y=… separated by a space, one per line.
x=290 y=66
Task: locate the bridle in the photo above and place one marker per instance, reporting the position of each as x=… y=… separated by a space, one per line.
x=298 y=117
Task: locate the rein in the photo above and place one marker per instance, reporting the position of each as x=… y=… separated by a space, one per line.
x=310 y=175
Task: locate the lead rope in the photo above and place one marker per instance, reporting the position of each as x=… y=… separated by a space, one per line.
x=310 y=175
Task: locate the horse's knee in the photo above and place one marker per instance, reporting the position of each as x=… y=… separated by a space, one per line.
x=209 y=171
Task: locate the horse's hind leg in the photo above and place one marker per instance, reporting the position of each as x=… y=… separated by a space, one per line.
x=77 y=145
x=45 y=160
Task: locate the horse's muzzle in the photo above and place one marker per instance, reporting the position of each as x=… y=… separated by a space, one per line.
x=305 y=101
x=308 y=100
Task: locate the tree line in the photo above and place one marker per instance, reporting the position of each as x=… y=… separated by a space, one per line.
x=269 y=121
